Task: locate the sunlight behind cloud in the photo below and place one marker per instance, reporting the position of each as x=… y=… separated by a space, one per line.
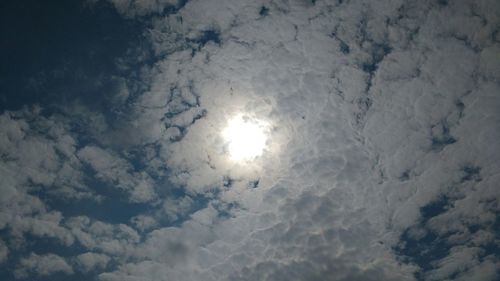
x=245 y=138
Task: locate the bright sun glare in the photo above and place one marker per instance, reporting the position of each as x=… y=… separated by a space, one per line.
x=245 y=137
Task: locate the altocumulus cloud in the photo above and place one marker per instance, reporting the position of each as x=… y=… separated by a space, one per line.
x=381 y=160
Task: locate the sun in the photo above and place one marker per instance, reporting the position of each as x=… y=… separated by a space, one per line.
x=245 y=138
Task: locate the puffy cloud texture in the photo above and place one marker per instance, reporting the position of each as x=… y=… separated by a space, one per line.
x=381 y=158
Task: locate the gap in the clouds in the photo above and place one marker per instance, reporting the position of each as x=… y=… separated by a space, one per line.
x=435 y=208
x=422 y=246
x=208 y=35
x=441 y=136
x=443 y=3
x=56 y=53
x=172 y=9
x=471 y=173
x=140 y=158
x=264 y=11
x=378 y=52
x=114 y=207
x=110 y=210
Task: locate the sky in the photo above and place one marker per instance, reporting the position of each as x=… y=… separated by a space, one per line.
x=213 y=140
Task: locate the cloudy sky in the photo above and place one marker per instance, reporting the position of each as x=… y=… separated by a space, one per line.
x=215 y=140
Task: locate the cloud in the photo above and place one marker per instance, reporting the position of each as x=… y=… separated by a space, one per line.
x=91 y=261
x=143 y=223
x=43 y=149
x=374 y=107
x=42 y=265
x=112 y=169
x=117 y=240
x=37 y=160
x=381 y=161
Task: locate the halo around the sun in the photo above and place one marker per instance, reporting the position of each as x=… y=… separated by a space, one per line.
x=245 y=137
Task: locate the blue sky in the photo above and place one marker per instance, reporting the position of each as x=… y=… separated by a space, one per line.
x=43 y=41
x=377 y=125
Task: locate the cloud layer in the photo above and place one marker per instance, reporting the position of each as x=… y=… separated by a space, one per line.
x=381 y=160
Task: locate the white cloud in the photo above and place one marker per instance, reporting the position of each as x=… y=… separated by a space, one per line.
x=369 y=132
x=376 y=110
x=42 y=265
x=118 y=240
x=43 y=150
x=38 y=158
x=173 y=209
x=143 y=223
x=91 y=261
x=118 y=172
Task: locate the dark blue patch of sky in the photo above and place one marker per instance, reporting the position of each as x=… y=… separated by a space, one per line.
x=55 y=52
